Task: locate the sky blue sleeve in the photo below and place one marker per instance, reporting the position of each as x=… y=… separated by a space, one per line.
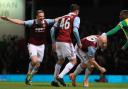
x=28 y=23
x=91 y=51
x=50 y=21
x=76 y=24
x=52 y=32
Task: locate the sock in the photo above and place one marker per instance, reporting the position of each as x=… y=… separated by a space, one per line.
x=34 y=70
x=29 y=77
x=78 y=70
x=87 y=73
x=30 y=68
x=57 y=71
x=67 y=68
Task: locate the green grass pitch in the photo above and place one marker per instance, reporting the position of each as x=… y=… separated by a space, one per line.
x=40 y=85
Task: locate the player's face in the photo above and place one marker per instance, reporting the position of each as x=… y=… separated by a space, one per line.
x=102 y=42
x=40 y=16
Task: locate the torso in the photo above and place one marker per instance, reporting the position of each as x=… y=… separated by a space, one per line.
x=89 y=41
x=38 y=33
x=65 y=30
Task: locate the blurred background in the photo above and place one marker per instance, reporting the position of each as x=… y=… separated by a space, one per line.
x=96 y=16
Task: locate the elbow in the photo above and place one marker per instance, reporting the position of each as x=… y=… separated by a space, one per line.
x=19 y=23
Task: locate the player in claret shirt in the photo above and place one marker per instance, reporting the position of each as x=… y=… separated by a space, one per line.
x=87 y=56
x=37 y=40
x=66 y=27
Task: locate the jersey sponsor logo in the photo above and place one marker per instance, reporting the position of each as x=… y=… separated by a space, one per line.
x=39 y=29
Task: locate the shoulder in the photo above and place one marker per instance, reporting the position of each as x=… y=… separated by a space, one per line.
x=123 y=23
x=77 y=19
x=49 y=21
x=83 y=39
x=126 y=20
x=29 y=21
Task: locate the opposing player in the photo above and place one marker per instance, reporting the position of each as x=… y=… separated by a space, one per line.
x=123 y=26
x=65 y=27
x=37 y=39
x=87 y=56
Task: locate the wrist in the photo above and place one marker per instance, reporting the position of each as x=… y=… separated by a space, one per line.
x=79 y=43
x=99 y=67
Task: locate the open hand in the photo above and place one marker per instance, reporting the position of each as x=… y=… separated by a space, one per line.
x=79 y=45
x=4 y=17
x=102 y=69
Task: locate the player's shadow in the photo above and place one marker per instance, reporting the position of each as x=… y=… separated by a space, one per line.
x=42 y=85
x=49 y=85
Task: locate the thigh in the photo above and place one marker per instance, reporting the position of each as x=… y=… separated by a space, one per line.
x=32 y=50
x=59 y=50
x=40 y=52
x=65 y=50
x=81 y=55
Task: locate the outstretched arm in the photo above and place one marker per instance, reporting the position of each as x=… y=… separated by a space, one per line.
x=117 y=28
x=15 y=21
x=113 y=31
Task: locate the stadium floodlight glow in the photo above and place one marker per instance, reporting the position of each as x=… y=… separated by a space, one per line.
x=12 y=9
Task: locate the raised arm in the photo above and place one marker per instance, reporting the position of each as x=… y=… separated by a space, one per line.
x=15 y=21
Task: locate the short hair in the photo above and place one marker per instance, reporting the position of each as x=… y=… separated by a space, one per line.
x=39 y=11
x=123 y=14
x=74 y=7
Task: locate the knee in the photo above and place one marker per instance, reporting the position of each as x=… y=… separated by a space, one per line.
x=83 y=65
x=35 y=61
x=74 y=61
x=60 y=61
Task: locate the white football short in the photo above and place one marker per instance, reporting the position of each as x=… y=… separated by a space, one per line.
x=81 y=55
x=35 y=50
x=64 y=50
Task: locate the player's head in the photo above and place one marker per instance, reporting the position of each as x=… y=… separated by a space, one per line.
x=123 y=14
x=102 y=41
x=40 y=15
x=75 y=8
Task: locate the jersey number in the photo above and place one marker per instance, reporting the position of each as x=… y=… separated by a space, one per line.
x=65 y=24
x=92 y=38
